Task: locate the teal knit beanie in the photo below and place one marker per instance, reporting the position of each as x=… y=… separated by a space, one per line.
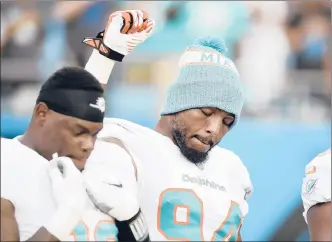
x=207 y=78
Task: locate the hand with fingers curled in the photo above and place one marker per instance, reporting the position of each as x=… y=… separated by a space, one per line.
x=70 y=195
x=124 y=31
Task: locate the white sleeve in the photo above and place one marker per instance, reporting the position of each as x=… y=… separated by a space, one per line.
x=316 y=187
x=246 y=188
x=10 y=170
x=247 y=185
x=108 y=167
x=126 y=134
x=243 y=188
x=8 y=182
x=109 y=162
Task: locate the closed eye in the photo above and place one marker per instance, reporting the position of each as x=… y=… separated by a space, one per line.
x=80 y=132
x=206 y=113
x=228 y=121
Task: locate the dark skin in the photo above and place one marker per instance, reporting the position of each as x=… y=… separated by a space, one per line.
x=51 y=132
x=319 y=222
x=210 y=124
x=202 y=129
x=199 y=129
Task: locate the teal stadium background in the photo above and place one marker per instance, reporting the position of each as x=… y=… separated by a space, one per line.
x=281 y=52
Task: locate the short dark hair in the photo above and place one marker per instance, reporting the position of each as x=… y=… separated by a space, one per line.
x=72 y=78
x=70 y=91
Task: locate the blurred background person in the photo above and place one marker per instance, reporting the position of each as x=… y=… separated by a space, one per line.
x=263 y=56
x=281 y=49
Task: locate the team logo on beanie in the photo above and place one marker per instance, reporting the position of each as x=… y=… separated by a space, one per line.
x=100 y=104
x=207 y=78
x=203 y=57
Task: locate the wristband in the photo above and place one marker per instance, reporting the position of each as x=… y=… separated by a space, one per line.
x=98 y=44
x=134 y=229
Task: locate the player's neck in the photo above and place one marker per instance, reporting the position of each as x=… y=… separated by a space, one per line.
x=163 y=127
x=29 y=141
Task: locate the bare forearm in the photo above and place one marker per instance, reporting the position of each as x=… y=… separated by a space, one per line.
x=10 y=232
x=239 y=238
x=10 y=228
x=61 y=224
x=319 y=222
x=320 y=234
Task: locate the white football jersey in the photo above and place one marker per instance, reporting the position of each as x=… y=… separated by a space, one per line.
x=180 y=200
x=316 y=187
x=95 y=226
x=25 y=182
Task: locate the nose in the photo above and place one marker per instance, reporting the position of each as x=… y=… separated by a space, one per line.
x=88 y=144
x=213 y=127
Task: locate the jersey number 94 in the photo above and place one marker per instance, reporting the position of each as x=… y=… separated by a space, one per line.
x=191 y=228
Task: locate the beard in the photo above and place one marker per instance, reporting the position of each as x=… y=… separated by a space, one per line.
x=194 y=156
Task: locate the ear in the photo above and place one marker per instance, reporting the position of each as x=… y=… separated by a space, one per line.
x=40 y=112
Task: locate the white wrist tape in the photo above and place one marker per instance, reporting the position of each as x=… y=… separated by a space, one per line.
x=63 y=223
x=100 y=66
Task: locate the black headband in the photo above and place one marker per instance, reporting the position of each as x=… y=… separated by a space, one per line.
x=86 y=105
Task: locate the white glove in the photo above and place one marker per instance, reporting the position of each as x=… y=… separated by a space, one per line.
x=121 y=203
x=114 y=44
x=70 y=195
x=113 y=198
